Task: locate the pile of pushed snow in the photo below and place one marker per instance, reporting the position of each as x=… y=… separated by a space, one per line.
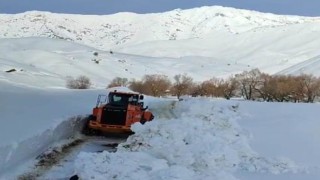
x=203 y=141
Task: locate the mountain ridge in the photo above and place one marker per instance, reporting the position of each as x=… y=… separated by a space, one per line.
x=121 y=29
x=202 y=42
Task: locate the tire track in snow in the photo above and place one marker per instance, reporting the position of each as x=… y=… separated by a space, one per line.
x=58 y=161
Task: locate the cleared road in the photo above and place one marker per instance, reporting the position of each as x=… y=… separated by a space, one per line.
x=59 y=162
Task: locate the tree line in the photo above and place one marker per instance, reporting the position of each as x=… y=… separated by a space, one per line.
x=251 y=85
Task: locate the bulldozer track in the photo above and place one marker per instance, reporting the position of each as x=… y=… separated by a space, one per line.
x=57 y=158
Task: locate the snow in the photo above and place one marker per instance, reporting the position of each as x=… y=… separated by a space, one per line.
x=295 y=124
x=197 y=138
x=228 y=38
x=33 y=119
x=210 y=139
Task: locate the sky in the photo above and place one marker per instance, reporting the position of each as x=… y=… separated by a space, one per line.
x=286 y=7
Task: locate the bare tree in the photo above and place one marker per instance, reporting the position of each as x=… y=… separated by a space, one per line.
x=137 y=86
x=282 y=88
x=309 y=86
x=81 y=82
x=228 y=88
x=265 y=87
x=289 y=88
x=248 y=82
x=156 y=84
x=196 y=90
x=208 y=87
x=182 y=85
x=118 y=81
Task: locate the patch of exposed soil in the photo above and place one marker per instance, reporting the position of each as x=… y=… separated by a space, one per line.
x=46 y=160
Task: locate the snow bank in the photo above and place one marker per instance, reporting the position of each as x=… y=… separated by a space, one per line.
x=201 y=141
x=34 y=119
x=18 y=152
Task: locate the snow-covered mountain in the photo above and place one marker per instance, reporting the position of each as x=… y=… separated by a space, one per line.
x=214 y=41
x=124 y=29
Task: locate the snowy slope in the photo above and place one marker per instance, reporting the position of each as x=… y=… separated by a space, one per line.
x=225 y=40
x=311 y=65
x=44 y=62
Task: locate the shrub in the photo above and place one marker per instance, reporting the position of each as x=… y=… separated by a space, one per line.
x=118 y=81
x=81 y=82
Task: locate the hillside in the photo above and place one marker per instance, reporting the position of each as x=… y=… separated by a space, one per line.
x=44 y=62
x=124 y=29
x=226 y=40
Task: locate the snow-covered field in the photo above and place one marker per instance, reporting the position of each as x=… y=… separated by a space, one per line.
x=197 y=138
x=216 y=139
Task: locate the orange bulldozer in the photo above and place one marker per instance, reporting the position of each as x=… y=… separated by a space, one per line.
x=116 y=112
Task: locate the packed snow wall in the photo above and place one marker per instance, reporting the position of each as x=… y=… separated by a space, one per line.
x=12 y=155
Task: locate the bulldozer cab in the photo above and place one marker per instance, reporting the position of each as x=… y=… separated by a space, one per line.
x=120 y=99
